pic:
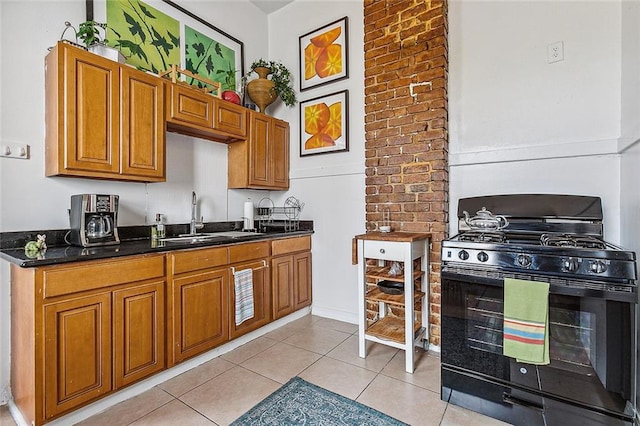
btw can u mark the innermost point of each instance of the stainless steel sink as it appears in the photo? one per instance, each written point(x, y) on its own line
point(234, 234)
point(191, 238)
point(207, 236)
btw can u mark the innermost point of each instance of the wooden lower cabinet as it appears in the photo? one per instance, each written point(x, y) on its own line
point(82, 330)
point(139, 332)
point(200, 312)
point(261, 298)
point(77, 352)
point(291, 275)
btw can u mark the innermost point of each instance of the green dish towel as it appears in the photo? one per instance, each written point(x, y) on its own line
point(526, 321)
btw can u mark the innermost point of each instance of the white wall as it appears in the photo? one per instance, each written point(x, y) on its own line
point(630, 128)
point(521, 125)
point(330, 185)
point(29, 201)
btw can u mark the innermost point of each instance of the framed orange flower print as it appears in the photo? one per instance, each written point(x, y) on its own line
point(324, 55)
point(324, 124)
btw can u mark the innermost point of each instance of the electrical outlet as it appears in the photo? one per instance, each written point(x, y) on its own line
point(555, 52)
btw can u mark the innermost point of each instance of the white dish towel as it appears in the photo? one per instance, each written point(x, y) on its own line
point(243, 283)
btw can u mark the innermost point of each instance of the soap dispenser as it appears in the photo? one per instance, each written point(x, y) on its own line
point(160, 232)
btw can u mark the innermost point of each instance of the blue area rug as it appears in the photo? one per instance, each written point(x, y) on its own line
point(301, 403)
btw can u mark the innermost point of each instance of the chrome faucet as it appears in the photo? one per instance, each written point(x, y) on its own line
point(195, 224)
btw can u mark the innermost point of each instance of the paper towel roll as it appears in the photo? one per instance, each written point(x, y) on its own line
point(248, 215)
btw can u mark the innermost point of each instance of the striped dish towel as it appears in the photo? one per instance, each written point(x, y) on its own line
point(243, 286)
point(526, 321)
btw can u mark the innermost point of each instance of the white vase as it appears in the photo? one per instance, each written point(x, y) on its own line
point(107, 52)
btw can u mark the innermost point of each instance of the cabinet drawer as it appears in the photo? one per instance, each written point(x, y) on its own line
point(231, 118)
point(193, 260)
point(188, 105)
point(249, 251)
point(93, 275)
point(386, 250)
point(290, 245)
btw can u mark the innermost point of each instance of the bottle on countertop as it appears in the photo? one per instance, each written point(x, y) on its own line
point(160, 231)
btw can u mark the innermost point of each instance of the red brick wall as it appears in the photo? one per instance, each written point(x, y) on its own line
point(406, 140)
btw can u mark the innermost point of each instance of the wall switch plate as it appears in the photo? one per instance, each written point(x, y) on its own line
point(555, 52)
point(14, 150)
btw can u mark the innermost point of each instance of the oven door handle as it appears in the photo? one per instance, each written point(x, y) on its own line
point(514, 400)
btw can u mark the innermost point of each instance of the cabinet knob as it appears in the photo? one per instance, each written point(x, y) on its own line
point(382, 251)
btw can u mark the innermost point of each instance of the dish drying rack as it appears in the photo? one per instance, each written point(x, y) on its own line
point(286, 217)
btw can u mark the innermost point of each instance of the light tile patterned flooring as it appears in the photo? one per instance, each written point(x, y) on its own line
point(321, 351)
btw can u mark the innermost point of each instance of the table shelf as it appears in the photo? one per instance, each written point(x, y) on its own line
point(382, 273)
point(376, 295)
point(391, 328)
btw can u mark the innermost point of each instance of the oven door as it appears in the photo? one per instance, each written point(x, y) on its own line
point(591, 343)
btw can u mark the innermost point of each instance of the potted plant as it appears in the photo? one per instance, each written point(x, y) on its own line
point(263, 91)
point(89, 33)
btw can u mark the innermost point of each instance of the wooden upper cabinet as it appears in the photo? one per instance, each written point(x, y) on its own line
point(143, 132)
point(103, 120)
point(262, 162)
point(230, 118)
point(82, 118)
point(190, 107)
point(280, 158)
point(194, 113)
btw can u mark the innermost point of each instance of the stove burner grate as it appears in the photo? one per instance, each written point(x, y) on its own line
point(567, 240)
point(483, 237)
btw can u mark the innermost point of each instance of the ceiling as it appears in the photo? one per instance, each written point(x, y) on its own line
point(269, 6)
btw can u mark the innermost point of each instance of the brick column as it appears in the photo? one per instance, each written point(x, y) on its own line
point(406, 146)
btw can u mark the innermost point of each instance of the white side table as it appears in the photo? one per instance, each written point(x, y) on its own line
point(406, 249)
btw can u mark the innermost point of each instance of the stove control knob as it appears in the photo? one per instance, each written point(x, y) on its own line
point(570, 264)
point(463, 254)
point(598, 266)
point(483, 257)
point(524, 260)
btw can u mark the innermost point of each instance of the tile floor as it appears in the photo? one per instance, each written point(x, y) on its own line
point(321, 351)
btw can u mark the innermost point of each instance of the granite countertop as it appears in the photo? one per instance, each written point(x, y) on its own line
point(133, 241)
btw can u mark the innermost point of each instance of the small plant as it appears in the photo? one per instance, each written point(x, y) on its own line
point(89, 33)
point(281, 76)
point(229, 78)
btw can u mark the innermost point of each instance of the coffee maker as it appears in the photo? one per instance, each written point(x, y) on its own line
point(94, 219)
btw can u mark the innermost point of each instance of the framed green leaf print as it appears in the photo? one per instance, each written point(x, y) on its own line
point(156, 34)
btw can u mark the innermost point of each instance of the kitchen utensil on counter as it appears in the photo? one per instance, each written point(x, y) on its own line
point(93, 220)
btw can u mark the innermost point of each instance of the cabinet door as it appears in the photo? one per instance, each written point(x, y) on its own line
point(77, 352)
point(200, 313)
point(230, 118)
point(259, 157)
point(302, 280)
point(261, 299)
point(91, 86)
point(143, 126)
point(282, 286)
point(138, 332)
point(280, 154)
